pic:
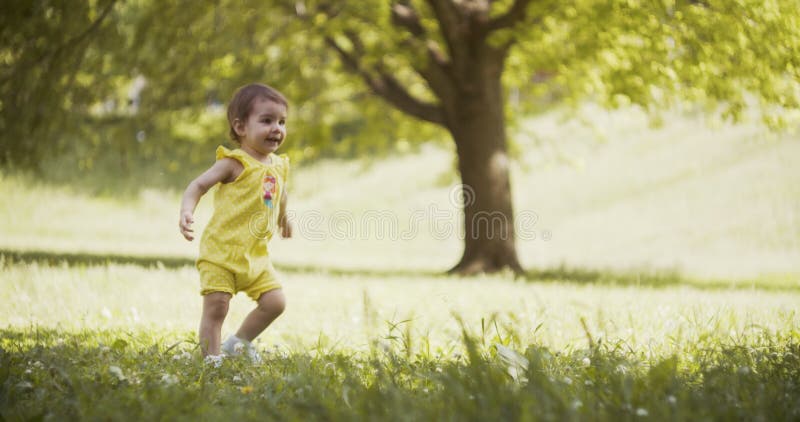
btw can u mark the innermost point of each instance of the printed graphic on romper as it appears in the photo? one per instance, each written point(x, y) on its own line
point(269, 190)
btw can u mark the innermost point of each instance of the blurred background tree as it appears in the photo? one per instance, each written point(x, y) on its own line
point(140, 87)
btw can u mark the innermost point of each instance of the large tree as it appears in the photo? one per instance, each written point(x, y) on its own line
point(453, 62)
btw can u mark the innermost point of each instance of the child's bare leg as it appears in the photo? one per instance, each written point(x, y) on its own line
point(215, 308)
point(270, 305)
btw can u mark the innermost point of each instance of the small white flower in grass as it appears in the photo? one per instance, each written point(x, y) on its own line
point(236, 378)
point(586, 361)
point(642, 412)
point(672, 400)
point(169, 379)
point(214, 360)
point(117, 372)
point(568, 380)
point(106, 312)
point(25, 386)
point(577, 404)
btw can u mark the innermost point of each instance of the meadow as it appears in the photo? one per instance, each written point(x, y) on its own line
point(663, 284)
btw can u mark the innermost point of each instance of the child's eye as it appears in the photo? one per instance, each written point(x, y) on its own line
point(283, 122)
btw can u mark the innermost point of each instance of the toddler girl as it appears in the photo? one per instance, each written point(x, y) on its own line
point(248, 206)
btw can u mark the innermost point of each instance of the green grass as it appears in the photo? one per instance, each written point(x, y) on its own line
point(149, 374)
point(117, 341)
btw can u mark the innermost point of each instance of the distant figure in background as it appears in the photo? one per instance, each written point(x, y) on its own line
point(249, 205)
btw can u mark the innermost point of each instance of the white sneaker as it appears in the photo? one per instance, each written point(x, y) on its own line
point(234, 346)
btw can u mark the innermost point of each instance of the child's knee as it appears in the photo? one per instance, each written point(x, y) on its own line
point(273, 302)
point(215, 305)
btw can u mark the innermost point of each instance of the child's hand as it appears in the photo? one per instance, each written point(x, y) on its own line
point(286, 228)
point(186, 225)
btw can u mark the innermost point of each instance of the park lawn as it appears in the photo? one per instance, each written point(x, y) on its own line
point(118, 341)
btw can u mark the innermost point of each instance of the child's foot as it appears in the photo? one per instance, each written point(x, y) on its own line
point(215, 360)
point(234, 346)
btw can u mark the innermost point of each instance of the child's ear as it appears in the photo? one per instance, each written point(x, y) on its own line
point(238, 127)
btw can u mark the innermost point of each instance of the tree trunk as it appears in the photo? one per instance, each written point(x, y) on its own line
point(477, 124)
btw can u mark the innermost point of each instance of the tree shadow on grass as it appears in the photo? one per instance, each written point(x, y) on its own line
point(637, 277)
point(657, 278)
point(91, 259)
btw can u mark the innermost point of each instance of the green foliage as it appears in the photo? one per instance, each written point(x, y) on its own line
point(70, 74)
point(149, 375)
point(54, 66)
point(716, 54)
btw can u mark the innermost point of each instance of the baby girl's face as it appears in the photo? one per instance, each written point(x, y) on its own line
point(265, 128)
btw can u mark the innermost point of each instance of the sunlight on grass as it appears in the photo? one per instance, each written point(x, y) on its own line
point(348, 312)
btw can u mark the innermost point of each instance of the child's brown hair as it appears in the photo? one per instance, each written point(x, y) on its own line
point(242, 103)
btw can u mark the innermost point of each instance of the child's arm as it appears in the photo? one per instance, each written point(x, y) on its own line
point(283, 219)
point(224, 170)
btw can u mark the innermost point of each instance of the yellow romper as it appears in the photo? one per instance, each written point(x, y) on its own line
point(233, 249)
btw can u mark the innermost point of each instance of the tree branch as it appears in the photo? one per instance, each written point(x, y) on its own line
point(447, 14)
point(515, 14)
point(404, 16)
point(387, 87)
point(69, 43)
point(436, 71)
